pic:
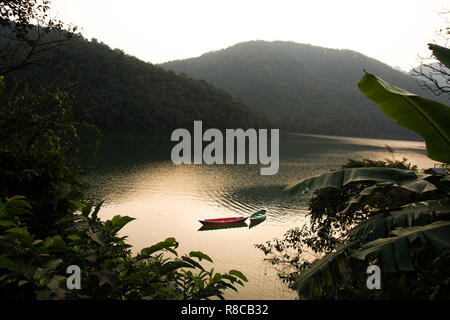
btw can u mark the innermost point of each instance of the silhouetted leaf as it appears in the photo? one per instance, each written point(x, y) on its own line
point(167, 244)
point(441, 53)
point(200, 255)
point(238, 274)
point(407, 179)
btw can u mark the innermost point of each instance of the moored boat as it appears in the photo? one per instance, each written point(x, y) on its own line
point(261, 214)
point(221, 226)
point(222, 221)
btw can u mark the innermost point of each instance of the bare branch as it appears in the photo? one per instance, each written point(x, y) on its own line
point(432, 74)
point(27, 32)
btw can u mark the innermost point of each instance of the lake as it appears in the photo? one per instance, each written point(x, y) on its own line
point(136, 177)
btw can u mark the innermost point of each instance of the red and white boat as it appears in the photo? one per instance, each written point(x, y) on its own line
point(222, 221)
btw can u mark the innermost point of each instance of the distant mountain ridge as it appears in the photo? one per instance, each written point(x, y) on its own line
point(303, 88)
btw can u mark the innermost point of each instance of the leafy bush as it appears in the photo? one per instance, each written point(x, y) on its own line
point(352, 226)
point(41, 148)
point(35, 268)
point(387, 163)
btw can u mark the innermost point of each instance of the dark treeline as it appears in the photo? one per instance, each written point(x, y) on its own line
point(302, 88)
point(122, 94)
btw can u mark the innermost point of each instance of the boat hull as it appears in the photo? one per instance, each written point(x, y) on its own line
point(222, 221)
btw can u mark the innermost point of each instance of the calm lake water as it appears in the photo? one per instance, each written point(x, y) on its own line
point(136, 177)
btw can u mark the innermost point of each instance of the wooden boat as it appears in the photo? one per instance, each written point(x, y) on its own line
point(220, 226)
point(257, 216)
point(260, 215)
point(222, 221)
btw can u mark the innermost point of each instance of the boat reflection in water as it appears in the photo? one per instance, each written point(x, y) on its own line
point(223, 226)
point(254, 223)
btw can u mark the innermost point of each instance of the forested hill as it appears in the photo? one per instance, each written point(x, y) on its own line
point(121, 93)
point(303, 88)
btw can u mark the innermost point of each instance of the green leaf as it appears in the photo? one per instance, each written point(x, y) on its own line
point(73, 237)
point(96, 210)
point(238, 274)
point(428, 118)
point(407, 179)
point(17, 206)
point(52, 264)
point(394, 251)
point(22, 282)
point(166, 244)
point(108, 277)
point(17, 202)
point(67, 218)
point(6, 263)
point(86, 210)
point(81, 225)
point(230, 286)
point(441, 53)
point(79, 205)
point(173, 265)
point(40, 274)
point(7, 223)
point(17, 211)
point(116, 223)
point(192, 262)
point(17, 197)
point(98, 237)
point(322, 272)
point(55, 242)
point(413, 214)
point(22, 234)
point(200, 255)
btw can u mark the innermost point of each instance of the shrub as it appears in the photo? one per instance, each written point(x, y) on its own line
point(36, 268)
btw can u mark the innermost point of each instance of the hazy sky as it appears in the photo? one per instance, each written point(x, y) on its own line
point(392, 31)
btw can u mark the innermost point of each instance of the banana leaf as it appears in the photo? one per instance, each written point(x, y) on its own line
point(441, 53)
point(430, 119)
point(327, 271)
point(413, 214)
point(407, 179)
point(394, 251)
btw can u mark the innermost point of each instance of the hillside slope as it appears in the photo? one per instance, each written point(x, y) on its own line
point(302, 88)
point(121, 93)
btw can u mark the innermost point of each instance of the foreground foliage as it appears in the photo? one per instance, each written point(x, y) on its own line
point(35, 268)
point(42, 151)
point(405, 231)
